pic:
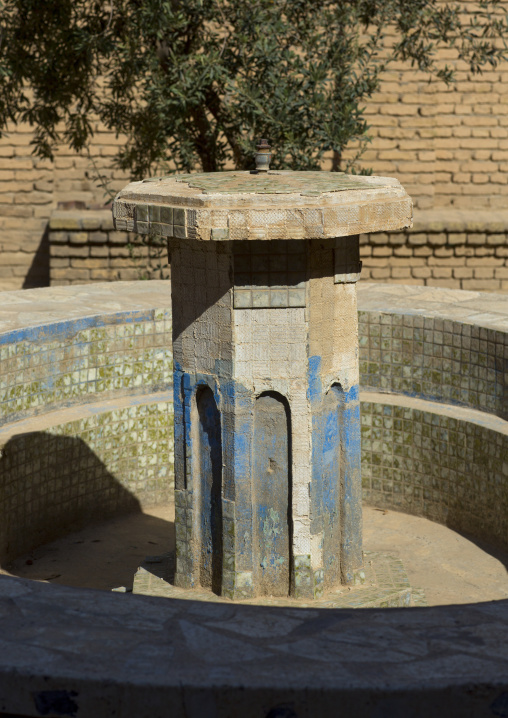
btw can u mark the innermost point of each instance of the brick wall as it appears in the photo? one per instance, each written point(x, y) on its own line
point(31, 189)
point(447, 145)
point(84, 247)
point(446, 248)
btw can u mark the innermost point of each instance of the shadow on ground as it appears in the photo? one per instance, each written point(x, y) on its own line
point(102, 556)
point(66, 518)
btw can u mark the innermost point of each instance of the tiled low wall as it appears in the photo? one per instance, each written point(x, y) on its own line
point(112, 346)
point(74, 347)
point(434, 358)
point(435, 461)
point(426, 450)
point(59, 477)
point(85, 432)
point(435, 344)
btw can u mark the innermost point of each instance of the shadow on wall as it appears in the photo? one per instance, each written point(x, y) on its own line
point(51, 485)
point(38, 274)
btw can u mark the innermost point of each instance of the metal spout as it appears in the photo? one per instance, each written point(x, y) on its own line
point(263, 156)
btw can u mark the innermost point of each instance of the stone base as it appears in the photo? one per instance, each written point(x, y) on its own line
point(382, 583)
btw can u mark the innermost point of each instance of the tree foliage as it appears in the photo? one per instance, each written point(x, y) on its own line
point(194, 83)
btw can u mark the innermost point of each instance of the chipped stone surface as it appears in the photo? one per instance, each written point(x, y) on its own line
point(279, 205)
point(138, 656)
point(478, 308)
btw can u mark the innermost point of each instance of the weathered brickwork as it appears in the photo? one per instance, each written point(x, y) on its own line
point(84, 247)
point(32, 188)
point(461, 249)
point(447, 145)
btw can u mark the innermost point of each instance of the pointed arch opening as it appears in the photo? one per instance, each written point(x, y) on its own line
point(209, 481)
point(272, 495)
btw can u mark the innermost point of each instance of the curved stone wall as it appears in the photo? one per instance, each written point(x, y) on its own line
point(86, 408)
point(434, 442)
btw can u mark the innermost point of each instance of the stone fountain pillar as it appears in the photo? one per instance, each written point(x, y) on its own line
point(264, 268)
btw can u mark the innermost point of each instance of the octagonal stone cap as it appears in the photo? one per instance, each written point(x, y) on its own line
point(275, 205)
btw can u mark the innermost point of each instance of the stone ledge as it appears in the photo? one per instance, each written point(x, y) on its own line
point(139, 656)
point(460, 220)
point(81, 219)
point(31, 307)
point(425, 220)
point(489, 310)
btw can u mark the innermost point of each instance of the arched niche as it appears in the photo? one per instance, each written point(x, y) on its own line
point(272, 495)
point(208, 455)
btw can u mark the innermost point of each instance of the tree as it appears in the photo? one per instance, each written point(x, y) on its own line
point(194, 83)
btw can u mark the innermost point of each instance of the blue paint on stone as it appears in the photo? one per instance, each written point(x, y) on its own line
point(326, 478)
point(69, 328)
point(314, 380)
point(56, 703)
point(336, 475)
point(351, 511)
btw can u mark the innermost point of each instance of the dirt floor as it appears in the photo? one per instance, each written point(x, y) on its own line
point(449, 567)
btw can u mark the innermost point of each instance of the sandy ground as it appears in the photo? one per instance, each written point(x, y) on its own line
point(104, 556)
point(449, 567)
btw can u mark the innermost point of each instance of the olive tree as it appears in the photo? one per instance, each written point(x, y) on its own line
point(192, 84)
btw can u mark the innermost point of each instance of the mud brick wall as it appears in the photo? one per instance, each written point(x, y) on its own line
point(448, 146)
point(458, 249)
point(84, 248)
point(448, 248)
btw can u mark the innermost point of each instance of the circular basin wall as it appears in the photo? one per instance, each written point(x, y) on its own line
point(86, 433)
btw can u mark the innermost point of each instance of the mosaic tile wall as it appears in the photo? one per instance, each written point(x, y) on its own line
point(443, 468)
point(45, 367)
point(435, 359)
point(56, 481)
